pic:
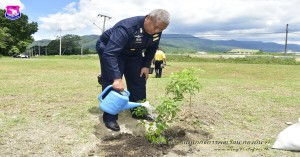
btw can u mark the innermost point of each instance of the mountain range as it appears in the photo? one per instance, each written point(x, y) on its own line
point(178, 43)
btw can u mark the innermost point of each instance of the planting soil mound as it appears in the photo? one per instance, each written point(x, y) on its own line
point(131, 141)
point(125, 144)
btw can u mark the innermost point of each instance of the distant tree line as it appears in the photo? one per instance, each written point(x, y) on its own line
point(70, 45)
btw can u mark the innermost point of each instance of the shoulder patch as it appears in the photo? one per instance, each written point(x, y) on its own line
point(156, 38)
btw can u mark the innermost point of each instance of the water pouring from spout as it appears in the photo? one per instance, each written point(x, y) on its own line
point(147, 106)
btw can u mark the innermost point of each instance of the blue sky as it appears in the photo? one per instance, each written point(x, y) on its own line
point(42, 8)
point(255, 20)
point(38, 8)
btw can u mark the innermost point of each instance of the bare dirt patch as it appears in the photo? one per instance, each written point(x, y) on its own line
point(39, 139)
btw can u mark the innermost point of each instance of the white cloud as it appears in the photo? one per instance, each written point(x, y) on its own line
point(191, 17)
point(4, 3)
point(71, 8)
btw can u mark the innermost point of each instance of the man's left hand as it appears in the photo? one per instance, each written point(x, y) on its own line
point(145, 71)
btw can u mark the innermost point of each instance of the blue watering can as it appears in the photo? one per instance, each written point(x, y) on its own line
point(116, 102)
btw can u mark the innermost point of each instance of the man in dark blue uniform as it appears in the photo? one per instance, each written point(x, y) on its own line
point(127, 49)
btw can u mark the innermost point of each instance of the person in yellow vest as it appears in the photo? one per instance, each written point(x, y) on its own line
point(159, 61)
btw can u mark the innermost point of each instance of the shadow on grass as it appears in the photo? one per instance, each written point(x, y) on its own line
point(95, 110)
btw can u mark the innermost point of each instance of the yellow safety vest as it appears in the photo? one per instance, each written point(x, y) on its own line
point(159, 55)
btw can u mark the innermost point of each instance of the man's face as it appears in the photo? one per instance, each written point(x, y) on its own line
point(153, 27)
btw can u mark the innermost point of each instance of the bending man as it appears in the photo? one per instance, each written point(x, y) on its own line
point(127, 49)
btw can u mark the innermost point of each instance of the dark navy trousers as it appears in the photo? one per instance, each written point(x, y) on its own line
point(158, 68)
point(130, 67)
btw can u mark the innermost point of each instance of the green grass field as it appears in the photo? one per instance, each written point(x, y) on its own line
point(244, 102)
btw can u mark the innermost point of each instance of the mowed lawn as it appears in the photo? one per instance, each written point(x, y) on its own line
point(251, 101)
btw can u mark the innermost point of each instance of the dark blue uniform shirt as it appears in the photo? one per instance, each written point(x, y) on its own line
point(126, 38)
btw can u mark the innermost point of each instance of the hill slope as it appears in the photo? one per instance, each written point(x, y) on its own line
point(186, 43)
point(178, 42)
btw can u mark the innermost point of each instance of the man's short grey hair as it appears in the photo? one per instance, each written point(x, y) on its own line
point(160, 15)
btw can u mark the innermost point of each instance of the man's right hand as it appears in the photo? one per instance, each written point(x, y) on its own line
point(118, 85)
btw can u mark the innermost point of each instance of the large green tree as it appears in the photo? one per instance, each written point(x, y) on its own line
point(15, 34)
point(4, 37)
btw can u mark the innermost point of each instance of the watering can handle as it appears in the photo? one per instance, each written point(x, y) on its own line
point(106, 89)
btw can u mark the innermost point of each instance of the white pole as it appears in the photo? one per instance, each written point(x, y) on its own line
point(81, 48)
point(286, 37)
point(40, 48)
point(60, 42)
point(104, 16)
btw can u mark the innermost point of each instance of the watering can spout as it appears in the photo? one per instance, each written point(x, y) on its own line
point(115, 102)
point(131, 105)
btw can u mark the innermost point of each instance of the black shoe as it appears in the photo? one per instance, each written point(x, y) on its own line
point(99, 79)
point(147, 117)
point(112, 125)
